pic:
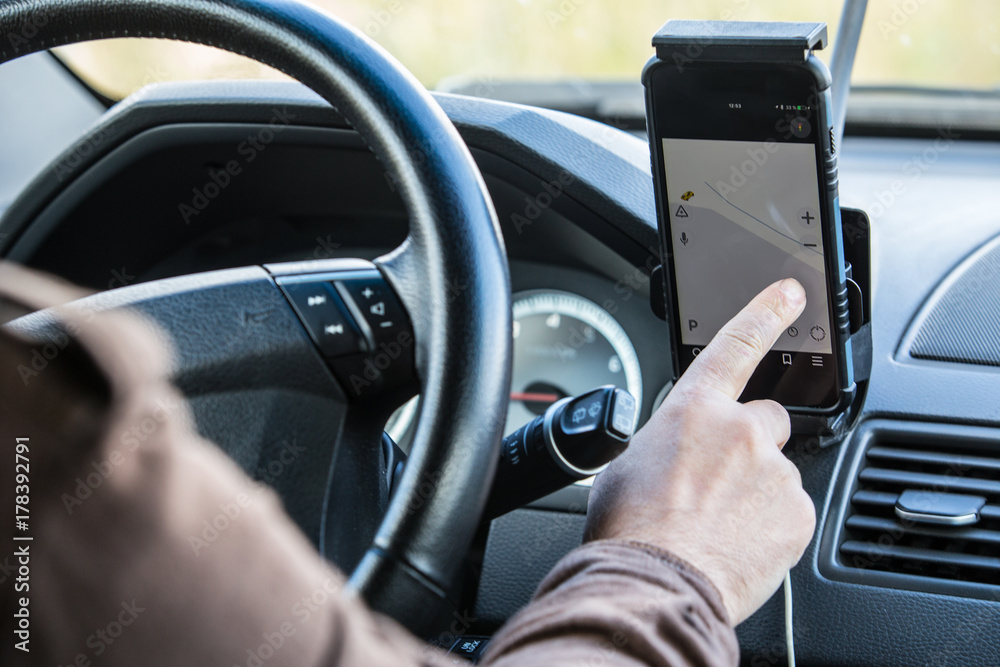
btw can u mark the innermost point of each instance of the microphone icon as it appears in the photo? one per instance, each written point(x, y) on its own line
point(684, 238)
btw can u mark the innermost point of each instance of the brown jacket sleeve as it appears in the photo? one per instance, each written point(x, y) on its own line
point(159, 550)
point(619, 603)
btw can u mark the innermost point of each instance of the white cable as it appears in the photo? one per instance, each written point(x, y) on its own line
point(789, 634)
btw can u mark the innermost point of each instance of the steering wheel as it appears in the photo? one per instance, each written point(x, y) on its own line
point(447, 286)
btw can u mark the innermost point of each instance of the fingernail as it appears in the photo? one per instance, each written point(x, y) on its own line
point(793, 291)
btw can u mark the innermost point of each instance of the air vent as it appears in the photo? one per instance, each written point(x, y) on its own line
point(927, 505)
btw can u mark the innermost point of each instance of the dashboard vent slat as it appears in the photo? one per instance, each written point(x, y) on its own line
point(911, 554)
point(874, 536)
point(955, 462)
point(876, 498)
point(920, 480)
point(876, 525)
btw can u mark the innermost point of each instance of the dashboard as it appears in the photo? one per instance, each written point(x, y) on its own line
point(566, 344)
point(574, 198)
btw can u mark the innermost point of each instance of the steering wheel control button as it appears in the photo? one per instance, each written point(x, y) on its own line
point(359, 325)
point(389, 358)
point(376, 305)
point(325, 317)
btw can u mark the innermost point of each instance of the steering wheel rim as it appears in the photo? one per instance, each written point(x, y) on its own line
point(450, 273)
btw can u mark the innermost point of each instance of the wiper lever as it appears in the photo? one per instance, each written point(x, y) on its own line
point(574, 439)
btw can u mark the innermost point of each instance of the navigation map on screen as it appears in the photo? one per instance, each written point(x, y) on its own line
point(744, 214)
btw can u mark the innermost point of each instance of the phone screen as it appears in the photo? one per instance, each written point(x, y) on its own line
point(740, 177)
point(745, 214)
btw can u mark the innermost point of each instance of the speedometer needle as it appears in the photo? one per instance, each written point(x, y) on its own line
point(533, 397)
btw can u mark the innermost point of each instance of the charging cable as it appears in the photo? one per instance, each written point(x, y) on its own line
point(789, 634)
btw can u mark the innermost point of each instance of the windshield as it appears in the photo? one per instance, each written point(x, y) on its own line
point(914, 43)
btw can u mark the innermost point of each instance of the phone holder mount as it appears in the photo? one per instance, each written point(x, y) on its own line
point(684, 42)
point(830, 429)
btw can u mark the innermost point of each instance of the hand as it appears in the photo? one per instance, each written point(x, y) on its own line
point(705, 479)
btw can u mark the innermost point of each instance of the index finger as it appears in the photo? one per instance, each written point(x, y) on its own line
point(727, 363)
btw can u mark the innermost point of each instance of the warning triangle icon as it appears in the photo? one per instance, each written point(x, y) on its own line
point(681, 213)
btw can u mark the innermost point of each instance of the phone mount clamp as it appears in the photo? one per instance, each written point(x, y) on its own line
point(684, 42)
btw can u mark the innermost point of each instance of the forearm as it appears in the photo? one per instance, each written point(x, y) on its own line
point(619, 603)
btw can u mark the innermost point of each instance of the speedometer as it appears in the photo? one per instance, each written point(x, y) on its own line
point(565, 345)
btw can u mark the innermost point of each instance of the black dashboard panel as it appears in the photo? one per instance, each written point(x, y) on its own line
point(318, 192)
point(961, 321)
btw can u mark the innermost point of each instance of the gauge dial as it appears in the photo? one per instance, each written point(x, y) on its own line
point(565, 345)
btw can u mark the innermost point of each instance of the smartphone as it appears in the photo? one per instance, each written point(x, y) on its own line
point(745, 178)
